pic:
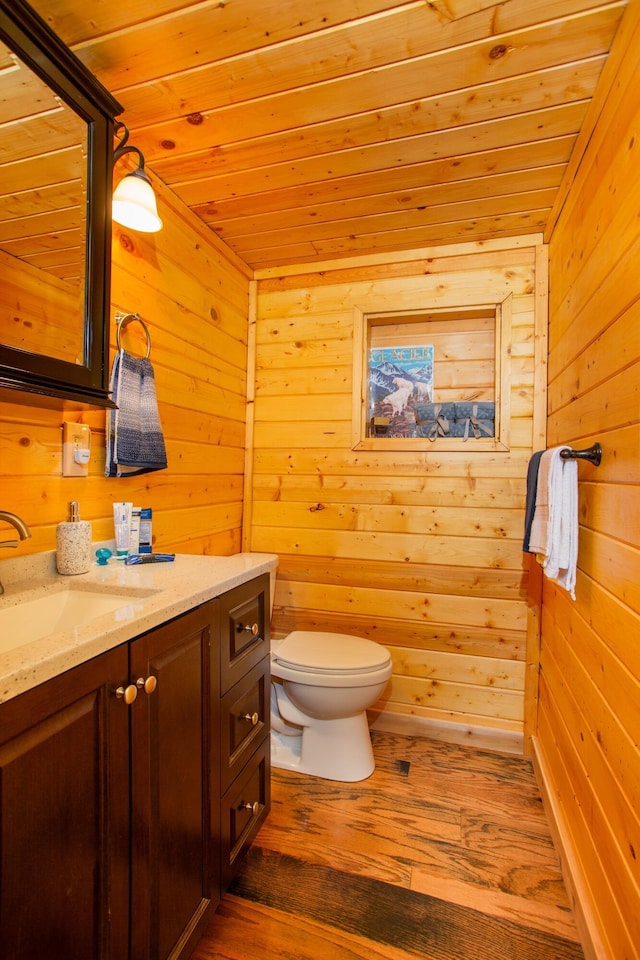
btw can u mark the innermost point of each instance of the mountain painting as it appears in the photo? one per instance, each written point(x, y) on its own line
point(399, 377)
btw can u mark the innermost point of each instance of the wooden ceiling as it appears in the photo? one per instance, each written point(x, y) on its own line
point(303, 131)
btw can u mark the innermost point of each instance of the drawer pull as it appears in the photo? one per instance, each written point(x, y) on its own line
point(253, 718)
point(147, 685)
point(254, 807)
point(128, 694)
point(251, 628)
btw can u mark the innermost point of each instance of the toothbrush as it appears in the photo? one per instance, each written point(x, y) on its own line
point(150, 558)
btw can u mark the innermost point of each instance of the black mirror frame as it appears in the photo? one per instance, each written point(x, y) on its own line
point(31, 39)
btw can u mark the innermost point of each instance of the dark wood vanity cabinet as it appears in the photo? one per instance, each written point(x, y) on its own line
point(64, 817)
point(175, 864)
point(108, 802)
point(131, 785)
point(245, 690)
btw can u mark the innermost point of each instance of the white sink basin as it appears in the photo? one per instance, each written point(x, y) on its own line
point(44, 613)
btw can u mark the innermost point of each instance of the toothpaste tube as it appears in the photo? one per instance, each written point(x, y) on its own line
point(122, 526)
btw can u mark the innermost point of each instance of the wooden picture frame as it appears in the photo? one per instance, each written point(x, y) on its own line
point(472, 362)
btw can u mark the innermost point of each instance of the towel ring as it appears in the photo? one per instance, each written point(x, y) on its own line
point(122, 320)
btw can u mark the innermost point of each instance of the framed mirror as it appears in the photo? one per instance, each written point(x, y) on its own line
point(56, 155)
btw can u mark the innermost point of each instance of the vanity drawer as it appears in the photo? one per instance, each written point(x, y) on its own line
point(244, 808)
point(244, 720)
point(244, 621)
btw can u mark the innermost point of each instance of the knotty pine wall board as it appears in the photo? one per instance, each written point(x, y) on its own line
point(587, 740)
point(464, 703)
point(436, 512)
point(445, 258)
point(38, 302)
point(359, 546)
point(412, 606)
point(193, 295)
point(470, 581)
point(431, 492)
point(402, 518)
point(576, 661)
point(561, 764)
point(431, 636)
point(463, 284)
point(451, 666)
point(379, 463)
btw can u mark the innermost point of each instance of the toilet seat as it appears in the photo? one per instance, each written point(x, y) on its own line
point(307, 650)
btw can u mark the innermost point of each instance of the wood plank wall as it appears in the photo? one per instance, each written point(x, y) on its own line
point(420, 550)
point(193, 294)
point(42, 308)
point(589, 713)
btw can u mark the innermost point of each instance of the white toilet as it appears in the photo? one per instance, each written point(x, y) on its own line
point(322, 685)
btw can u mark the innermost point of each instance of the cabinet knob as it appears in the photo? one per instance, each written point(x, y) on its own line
point(254, 807)
point(128, 694)
point(253, 718)
point(251, 628)
point(147, 685)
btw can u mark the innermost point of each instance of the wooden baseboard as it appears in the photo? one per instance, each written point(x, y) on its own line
point(485, 738)
point(577, 889)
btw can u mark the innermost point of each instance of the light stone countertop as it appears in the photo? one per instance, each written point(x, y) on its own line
point(157, 592)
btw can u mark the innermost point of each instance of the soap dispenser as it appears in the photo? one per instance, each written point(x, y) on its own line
point(73, 543)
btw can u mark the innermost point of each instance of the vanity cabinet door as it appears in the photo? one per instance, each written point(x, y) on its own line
point(244, 629)
point(244, 808)
point(244, 720)
point(174, 778)
point(245, 692)
point(64, 817)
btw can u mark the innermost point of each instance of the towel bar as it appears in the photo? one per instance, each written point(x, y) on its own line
point(122, 320)
point(593, 454)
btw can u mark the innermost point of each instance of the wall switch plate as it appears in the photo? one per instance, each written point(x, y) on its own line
point(76, 449)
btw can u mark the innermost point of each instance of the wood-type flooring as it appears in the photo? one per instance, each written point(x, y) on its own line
point(444, 853)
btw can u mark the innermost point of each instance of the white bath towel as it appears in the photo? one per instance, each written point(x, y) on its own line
point(554, 530)
point(539, 535)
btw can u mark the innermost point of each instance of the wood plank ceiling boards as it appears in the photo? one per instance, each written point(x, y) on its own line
point(300, 132)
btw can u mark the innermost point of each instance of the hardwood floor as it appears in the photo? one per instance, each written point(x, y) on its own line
point(444, 853)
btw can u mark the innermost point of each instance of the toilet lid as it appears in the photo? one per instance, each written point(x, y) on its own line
point(330, 652)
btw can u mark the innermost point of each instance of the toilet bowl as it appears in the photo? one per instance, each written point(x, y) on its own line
point(322, 685)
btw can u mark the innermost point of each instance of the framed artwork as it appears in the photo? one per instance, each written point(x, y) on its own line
point(432, 378)
point(398, 378)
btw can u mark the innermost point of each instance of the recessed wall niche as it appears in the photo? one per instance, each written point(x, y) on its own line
point(433, 379)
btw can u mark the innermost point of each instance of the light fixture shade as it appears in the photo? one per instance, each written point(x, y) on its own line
point(134, 203)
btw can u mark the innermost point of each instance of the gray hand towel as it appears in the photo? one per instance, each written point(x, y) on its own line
point(135, 443)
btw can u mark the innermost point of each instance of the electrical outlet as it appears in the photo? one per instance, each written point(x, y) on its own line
point(76, 449)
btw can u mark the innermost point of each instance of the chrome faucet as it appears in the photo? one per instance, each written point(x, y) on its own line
point(23, 532)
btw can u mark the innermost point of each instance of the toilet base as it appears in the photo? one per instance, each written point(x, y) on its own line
point(332, 749)
point(285, 751)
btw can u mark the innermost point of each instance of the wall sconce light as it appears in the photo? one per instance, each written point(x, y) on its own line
point(134, 202)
